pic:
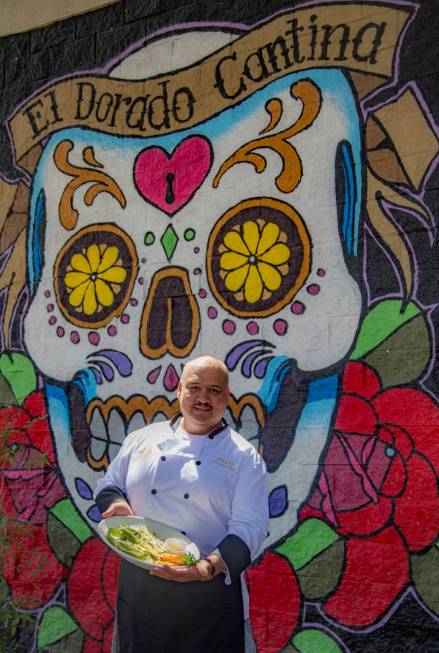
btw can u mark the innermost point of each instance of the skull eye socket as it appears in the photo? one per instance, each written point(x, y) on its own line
point(94, 275)
point(258, 257)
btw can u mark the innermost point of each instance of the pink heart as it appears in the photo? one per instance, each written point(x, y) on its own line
point(170, 180)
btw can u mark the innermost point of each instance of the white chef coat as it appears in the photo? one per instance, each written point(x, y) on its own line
point(205, 486)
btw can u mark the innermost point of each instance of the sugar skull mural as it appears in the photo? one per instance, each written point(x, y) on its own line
point(233, 206)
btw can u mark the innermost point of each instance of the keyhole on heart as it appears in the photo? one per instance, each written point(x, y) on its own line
point(169, 197)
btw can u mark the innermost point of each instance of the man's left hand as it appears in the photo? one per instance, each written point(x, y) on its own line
point(199, 572)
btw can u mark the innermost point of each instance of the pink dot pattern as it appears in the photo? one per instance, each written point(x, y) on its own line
point(313, 289)
point(297, 308)
point(280, 327)
point(94, 338)
point(229, 327)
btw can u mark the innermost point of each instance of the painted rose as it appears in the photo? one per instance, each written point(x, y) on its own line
point(378, 488)
point(29, 476)
point(91, 594)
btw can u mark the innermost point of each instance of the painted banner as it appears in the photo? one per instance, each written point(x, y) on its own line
point(296, 41)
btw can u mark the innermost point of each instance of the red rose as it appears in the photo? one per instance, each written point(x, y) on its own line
point(29, 477)
point(91, 591)
point(29, 566)
point(379, 483)
point(274, 602)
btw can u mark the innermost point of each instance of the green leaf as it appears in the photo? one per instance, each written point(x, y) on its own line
point(312, 640)
point(7, 397)
point(403, 356)
point(67, 514)
point(320, 576)
point(4, 590)
point(55, 624)
point(380, 322)
point(425, 574)
point(311, 538)
point(64, 544)
point(72, 643)
point(19, 372)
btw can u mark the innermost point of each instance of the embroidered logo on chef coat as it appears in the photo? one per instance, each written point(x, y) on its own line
point(224, 462)
point(145, 451)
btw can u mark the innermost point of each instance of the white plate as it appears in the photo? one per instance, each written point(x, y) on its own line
point(163, 531)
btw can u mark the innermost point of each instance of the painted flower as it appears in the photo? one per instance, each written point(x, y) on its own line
point(91, 593)
point(91, 277)
point(29, 485)
point(379, 489)
point(29, 476)
point(29, 566)
point(254, 260)
point(274, 602)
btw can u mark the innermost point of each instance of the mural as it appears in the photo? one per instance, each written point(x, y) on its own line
point(257, 194)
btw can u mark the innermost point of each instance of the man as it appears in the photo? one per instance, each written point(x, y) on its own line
point(203, 478)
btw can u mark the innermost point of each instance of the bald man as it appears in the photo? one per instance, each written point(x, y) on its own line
point(198, 475)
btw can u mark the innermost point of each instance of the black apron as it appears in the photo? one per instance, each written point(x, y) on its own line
point(161, 616)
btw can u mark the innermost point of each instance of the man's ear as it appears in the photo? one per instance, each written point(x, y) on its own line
point(179, 390)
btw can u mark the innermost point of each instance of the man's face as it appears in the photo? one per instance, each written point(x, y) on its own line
point(202, 394)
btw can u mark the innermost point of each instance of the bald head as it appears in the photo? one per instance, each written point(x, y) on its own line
point(203, 393)
point(206, 362)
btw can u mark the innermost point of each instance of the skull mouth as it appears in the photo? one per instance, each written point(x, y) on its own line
point(99, 429)
point(109, 422)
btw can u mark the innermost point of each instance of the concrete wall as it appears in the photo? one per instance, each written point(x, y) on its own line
point(269, 196)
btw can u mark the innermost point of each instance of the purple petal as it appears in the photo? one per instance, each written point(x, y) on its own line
point(97, 374)
point(83, 488)
point(249, 360)
point(278, 501)
point(236, 352)
point(106, 370)
point(94, 514)
point(121, 361)
point(261, 366)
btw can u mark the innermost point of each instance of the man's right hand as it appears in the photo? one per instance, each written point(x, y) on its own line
point(119, 508)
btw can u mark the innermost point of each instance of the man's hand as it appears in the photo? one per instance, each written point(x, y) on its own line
point(119, 508)
point(199, 572)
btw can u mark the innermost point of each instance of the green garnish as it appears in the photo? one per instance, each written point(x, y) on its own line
point(140, 543)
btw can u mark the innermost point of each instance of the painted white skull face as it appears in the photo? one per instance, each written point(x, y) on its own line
point(160, 249)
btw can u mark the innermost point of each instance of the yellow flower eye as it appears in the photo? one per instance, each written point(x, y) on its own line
point(258, 257)
point(94, 275)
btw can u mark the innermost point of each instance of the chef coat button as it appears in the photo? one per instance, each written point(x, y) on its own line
point(153, 491)
point(186, 496)
point(162, 457)
point(183, 532)
point(198, 462)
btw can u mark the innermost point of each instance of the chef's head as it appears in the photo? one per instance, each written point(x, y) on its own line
point(203, 393)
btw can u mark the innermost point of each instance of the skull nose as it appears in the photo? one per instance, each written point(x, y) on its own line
point(171, 317)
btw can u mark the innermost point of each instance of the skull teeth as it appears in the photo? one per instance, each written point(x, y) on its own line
point(108, 435)
point(111, 421)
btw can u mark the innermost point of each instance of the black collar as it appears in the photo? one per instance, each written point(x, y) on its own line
point(175, 421)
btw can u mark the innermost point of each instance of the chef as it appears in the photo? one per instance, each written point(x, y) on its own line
point(198, 475)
